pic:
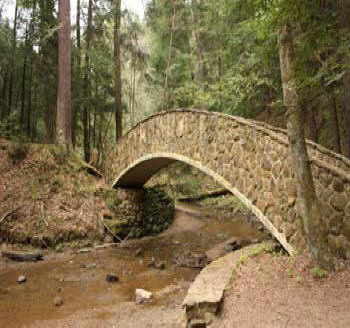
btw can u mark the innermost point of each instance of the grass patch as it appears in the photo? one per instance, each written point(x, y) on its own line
point(319, 273)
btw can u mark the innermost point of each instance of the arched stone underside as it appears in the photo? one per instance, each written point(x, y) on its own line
point(249, 158)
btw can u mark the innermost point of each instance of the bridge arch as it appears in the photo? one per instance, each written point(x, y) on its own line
point(140, 171)
point(248, 158)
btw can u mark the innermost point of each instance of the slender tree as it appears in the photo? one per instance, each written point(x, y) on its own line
point(185, 21)
point(31, 59)
point(12, 69)
point(117, 72)
point(64, 98)
point(24, 75)
point(344, 12)
point(3, 96)
point(86, 111)
point(200, 64)
point(307, 200)
point(335, 124)
point(48, 67)
point(78, 78)
point(165, 92)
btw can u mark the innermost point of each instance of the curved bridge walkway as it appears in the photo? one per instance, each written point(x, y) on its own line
point(249, 158)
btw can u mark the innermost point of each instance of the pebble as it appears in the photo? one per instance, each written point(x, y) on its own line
point(142, 296)
point(21, 279)
point(58, 301)
point(112, 277)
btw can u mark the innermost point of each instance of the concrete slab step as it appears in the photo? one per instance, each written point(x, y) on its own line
point(205, 295)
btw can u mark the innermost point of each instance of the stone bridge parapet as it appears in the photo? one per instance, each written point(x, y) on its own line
point(249, 158)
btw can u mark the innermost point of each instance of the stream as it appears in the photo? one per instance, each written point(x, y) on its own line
point(91, 301)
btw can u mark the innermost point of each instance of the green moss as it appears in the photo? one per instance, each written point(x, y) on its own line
point(318, 273)
point(151, 213)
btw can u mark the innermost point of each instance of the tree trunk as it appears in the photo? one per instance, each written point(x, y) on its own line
point(308, 205)
point(64, 97)
point(78, 84)
point(86, 114)
point(335, 125)
point(200, 64)
point(12, 69)
point(95, 115)
point(344, 12)
point(189, 42)
point(134, 92)
point(117, 72)
point(48, 67)
point(31, 36)
point(313, 135)
point(24, 73)
point(3, 97)
point(165, 93)
point(34, 122)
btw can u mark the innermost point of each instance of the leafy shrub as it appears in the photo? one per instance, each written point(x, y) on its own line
point(18, 152)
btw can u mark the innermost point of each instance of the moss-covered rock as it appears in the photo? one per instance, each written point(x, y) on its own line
point(138, 212)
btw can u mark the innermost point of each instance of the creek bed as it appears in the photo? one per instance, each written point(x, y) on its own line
point(79, 279)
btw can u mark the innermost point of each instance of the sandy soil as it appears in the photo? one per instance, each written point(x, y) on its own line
point(125, 315)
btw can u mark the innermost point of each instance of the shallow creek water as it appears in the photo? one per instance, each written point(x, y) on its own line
point(80, 278)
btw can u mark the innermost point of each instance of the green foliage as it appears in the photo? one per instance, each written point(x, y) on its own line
point(317, 272)
point(18, 152)
point(241, 261)
point(239, 55)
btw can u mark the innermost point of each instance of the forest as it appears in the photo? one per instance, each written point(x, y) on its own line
point(215, 55)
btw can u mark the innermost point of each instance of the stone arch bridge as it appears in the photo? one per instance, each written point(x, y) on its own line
point(249, 158)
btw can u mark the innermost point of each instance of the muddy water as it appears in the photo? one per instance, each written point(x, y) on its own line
point(80, 278)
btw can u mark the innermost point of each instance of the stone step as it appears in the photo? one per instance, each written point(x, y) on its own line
point(205, 295)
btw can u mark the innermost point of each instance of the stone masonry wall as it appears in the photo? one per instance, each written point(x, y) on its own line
point(250, 159)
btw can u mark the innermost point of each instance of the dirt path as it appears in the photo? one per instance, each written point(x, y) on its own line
point(274, 292)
